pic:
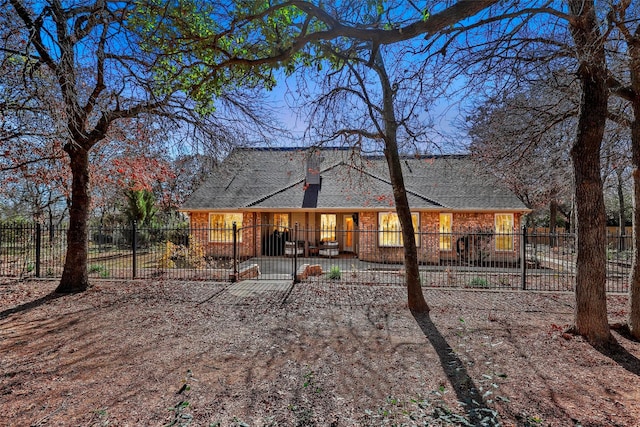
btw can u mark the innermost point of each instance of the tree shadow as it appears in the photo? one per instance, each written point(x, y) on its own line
point(466, 391)
point(29, 305)
point(619, 354)
point(624, 331)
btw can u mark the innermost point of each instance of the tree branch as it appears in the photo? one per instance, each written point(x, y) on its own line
point(22, 164)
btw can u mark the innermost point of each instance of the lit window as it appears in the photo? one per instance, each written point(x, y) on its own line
point(504, 232)
point(390, 232)
point(328, 227)
point(221, 225)
point(281, 221)
point(446, 219)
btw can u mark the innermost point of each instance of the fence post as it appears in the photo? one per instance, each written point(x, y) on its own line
point(235, 253)
point(295, 253)
point(134, 249)
point(38, 247)
point(523, 257)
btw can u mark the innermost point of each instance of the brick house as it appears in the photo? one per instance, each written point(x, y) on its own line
point(342, 201)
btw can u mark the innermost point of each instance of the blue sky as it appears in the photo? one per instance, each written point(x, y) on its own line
point(444, 113)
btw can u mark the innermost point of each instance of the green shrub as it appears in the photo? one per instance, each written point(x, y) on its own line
point(179, 236)
point(99, 269)
point(96, 268)
point(334, 273)
point(479, 282)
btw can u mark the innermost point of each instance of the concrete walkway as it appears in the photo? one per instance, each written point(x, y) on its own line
point(253, 288)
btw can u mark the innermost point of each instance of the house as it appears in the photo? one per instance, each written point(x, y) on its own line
point(330, 201)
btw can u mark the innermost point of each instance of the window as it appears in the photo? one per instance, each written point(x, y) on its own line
point(390, 232)
point(281, 221)
point(446, 219)
point(328, 227)
point(221, 225)
point(504, 232)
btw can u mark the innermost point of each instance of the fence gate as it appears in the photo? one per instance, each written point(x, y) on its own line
point(265, 252)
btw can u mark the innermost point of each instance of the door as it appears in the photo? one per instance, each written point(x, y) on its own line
point(348, 244)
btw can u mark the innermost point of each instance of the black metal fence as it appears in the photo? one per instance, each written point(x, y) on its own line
point(464, 258)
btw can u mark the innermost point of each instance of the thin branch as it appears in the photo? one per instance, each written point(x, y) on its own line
point(22, 164)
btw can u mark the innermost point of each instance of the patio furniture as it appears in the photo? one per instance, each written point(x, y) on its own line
point(329, 249)
point(294, 248)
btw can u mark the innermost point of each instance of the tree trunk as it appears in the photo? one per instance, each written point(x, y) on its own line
point(591, 303)
point(634, 287)
point(415, 296)
point(75, 277)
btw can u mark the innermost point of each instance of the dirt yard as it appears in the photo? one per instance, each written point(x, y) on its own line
point(201, 354)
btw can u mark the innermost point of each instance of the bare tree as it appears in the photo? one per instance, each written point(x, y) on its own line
point(591, 303)
point(99, 74)
point(569, 36)
point(290, 33)
point(524, 137)
point(616, 161)
point(363, 101)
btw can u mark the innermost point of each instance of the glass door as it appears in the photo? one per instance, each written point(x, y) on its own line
point(347, 244)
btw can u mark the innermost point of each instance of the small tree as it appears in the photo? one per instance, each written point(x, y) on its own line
point(141, 206)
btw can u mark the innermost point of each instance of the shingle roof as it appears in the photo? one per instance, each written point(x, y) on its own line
point(275, 178)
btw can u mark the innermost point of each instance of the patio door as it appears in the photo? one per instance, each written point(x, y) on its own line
point(348, 243)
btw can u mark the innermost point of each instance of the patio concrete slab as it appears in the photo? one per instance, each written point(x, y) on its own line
point(254, 288)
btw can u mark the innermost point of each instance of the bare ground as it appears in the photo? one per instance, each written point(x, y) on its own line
point(211, 354)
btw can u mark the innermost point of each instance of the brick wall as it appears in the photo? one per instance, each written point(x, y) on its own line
point(368, 248)
point(429, 245)
point(429, 250)
point(473, 222)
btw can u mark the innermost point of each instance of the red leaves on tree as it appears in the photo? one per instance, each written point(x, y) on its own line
point(140, 173)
